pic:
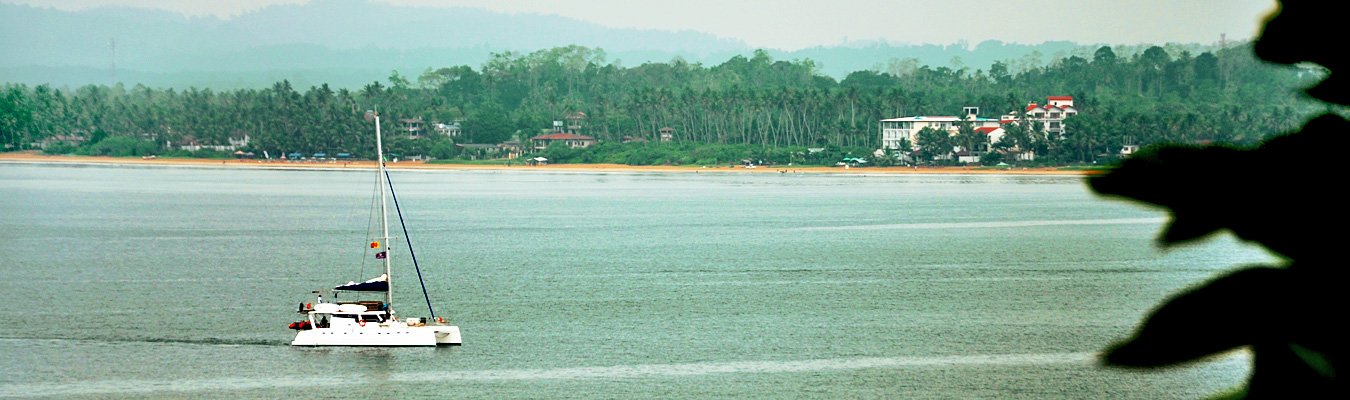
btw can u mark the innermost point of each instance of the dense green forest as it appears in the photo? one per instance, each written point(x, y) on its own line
point(749, 107)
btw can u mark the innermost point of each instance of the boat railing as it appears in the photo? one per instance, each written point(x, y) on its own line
point(373, 305)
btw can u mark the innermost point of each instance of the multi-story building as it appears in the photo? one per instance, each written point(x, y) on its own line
point(565, 134)
point(896, 130)
point(411, 127)
point(1051, 115)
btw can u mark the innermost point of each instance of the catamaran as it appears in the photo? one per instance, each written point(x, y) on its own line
point(372, 322)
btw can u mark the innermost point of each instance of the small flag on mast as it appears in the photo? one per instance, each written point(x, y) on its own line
point(374, 245)
point(380, 255)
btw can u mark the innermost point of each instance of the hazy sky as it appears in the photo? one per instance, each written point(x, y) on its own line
point(795, 24)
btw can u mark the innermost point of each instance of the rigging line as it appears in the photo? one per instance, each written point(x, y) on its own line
point(411, 254)
point(370, 220)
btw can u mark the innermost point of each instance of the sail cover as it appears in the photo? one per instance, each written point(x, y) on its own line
point(376, 284)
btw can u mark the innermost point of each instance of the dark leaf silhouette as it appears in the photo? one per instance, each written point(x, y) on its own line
point(1291, 35)
point(1281, 195)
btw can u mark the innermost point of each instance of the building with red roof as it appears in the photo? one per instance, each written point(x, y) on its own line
point(995, 133)
point(1051, 115)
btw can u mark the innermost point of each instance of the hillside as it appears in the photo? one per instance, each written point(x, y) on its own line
point(349, 43)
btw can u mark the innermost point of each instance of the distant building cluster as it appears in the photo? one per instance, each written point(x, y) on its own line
point(896, 132)
point(190, 143)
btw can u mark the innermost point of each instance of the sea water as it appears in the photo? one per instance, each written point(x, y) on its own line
point(172, 282)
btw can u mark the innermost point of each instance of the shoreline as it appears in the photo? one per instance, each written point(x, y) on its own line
point(33, 158)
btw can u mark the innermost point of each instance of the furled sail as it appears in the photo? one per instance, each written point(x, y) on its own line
point(376, 284)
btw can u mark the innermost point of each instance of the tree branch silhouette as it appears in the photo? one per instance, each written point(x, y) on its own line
point(1280, 195)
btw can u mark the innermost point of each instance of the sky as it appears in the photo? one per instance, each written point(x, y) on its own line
point(795, 24)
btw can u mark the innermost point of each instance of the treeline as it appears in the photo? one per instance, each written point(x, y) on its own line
point(754, 103)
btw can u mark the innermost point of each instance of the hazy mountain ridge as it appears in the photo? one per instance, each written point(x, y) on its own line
point(351, 42)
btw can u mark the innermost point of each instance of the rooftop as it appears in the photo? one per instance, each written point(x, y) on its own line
point(562, 136)
point(942, 118)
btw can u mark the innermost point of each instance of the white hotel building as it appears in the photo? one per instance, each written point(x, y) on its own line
point(1051, 116)
point(894, 130)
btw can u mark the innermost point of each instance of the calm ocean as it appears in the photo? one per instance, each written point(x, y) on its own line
point(174, 282)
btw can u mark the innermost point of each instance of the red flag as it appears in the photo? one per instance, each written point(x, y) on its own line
point(379, 256)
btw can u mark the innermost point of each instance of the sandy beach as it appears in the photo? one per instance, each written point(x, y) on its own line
point(37, 158)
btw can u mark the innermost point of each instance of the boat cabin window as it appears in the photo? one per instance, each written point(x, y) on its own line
point(367, 317)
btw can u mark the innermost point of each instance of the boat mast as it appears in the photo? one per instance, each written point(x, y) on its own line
point(384, 218)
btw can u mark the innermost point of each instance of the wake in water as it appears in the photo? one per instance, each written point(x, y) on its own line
point(988, 224)
point(203, 341)
point(655, 371)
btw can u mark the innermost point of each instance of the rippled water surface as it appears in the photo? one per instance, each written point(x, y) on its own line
point(179, 282)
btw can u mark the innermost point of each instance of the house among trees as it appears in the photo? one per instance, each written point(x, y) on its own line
point(475, 151)
point(511, 148)
point(967, 157)
point(450, 130)
point(572, 140)
point(413, 127)
point(667, 134)
point(190, 143)
point(508, 150)
point(67, 140)
point(567, 134)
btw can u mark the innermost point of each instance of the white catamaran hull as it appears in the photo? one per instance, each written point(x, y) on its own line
point(394, 334)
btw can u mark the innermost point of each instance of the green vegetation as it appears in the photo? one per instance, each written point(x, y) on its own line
point(747, 108)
